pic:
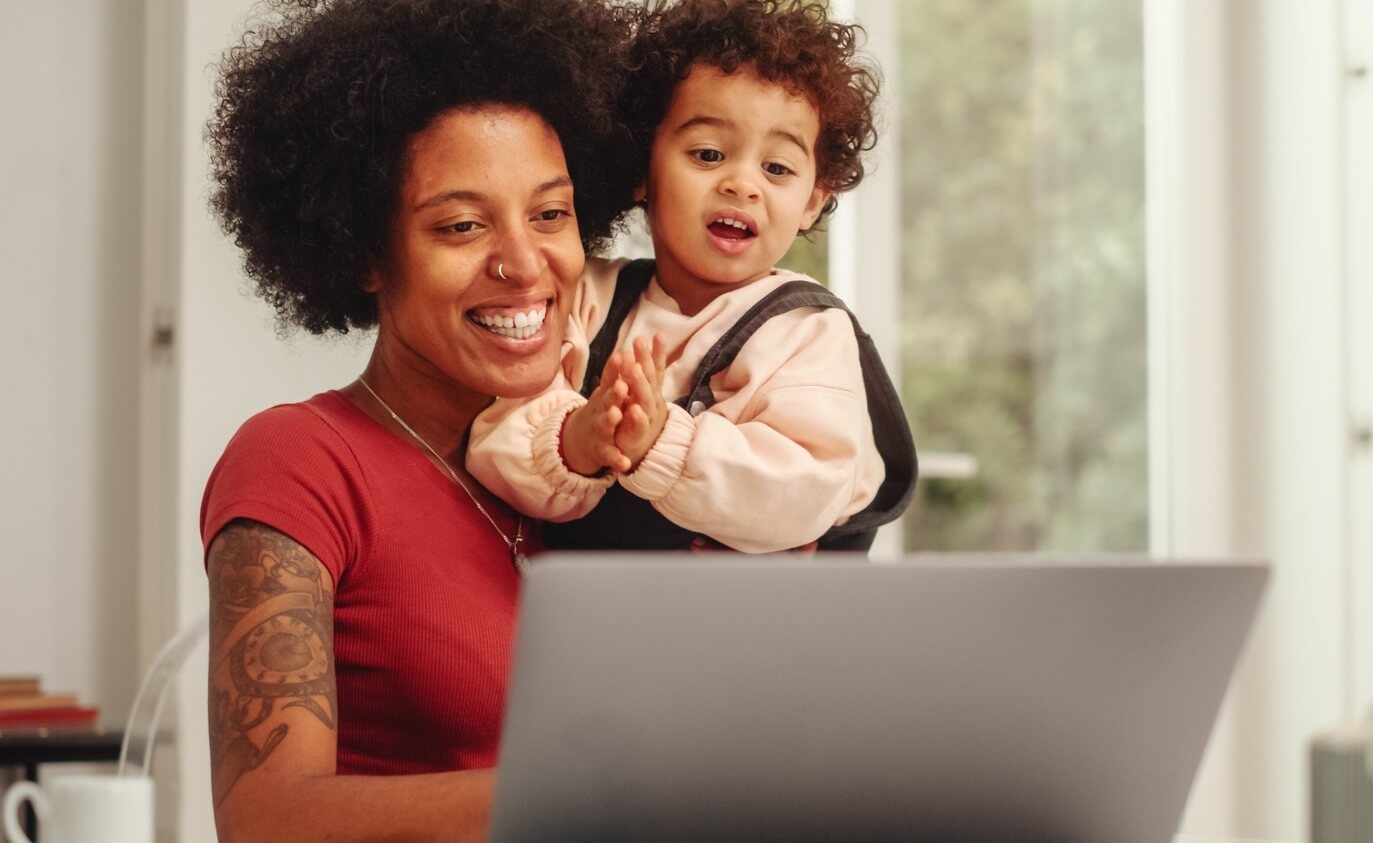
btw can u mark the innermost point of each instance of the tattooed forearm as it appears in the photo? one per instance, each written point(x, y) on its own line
point(271, 634)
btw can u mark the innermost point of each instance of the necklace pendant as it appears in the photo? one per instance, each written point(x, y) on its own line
point(520, 561)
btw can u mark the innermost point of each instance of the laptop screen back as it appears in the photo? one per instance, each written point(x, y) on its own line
point(941, 699)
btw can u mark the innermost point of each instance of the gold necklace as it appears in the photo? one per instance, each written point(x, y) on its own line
point(518, 559)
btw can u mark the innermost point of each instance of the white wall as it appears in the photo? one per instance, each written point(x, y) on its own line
point(1357, 26)
point(1284, 461)
point(229, 362)
point(1289, 393)
point(70, 136)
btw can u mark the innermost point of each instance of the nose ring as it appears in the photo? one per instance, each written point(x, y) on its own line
point(500, 270)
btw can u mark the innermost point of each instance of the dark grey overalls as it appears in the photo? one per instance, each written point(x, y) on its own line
point(624, 521)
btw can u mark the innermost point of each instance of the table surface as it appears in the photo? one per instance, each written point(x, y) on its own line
point(29, 747)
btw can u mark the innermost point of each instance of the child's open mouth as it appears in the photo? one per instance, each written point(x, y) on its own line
point(732, 232)
point(731, 229)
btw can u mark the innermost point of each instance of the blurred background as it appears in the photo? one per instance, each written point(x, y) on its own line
point(1114, 252)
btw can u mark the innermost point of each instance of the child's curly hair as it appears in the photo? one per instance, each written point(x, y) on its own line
point(317, 105)
point(790, 42)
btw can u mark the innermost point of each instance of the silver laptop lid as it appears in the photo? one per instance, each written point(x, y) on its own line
point(947, 698)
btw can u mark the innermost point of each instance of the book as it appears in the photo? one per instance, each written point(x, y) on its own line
point(22, 702)
point(68, 716)
point(20, 685)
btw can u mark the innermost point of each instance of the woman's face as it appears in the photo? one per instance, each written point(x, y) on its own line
point(487, 194)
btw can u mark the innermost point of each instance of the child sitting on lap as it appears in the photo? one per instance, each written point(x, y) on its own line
point(752, 116)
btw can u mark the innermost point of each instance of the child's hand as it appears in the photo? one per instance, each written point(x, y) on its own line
point(588, 434)
point(645, 412)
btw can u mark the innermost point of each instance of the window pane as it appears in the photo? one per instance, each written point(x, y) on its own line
point(1022, 167)
point(809, 255)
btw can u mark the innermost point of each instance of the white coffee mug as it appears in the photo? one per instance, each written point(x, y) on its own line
point(85, 809)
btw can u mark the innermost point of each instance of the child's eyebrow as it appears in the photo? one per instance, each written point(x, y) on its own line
point(724, 123)
point(478, 196)
point(794, 138)
point(704, 120)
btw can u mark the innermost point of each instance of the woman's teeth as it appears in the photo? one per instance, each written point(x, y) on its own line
point(520, 326)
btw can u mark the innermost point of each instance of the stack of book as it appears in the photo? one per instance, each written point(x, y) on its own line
point(24, 705)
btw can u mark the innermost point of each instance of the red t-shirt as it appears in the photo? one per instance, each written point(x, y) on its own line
point(425, 593)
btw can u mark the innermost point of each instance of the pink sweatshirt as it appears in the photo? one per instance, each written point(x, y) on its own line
point(785, 453)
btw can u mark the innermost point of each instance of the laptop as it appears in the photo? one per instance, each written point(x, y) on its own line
point(685, 697)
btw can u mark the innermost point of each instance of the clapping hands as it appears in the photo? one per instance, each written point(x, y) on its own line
point(624, 414)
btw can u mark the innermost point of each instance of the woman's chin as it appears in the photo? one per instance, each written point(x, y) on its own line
point(523, 380)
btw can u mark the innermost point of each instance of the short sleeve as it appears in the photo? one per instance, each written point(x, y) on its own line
point(289, 469)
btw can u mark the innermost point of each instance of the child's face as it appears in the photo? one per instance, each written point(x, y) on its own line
point(731, 180)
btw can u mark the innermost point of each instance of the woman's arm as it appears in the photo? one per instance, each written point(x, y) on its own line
point(274, 720)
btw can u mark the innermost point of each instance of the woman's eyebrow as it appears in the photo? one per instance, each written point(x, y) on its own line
point(478, 196)
point(451, 196)
point(553, 184)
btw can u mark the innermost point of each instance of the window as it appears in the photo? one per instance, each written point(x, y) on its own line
point(1023, 348)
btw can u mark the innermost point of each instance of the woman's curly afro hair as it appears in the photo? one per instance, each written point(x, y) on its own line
point(790, 42)
point(317, 105)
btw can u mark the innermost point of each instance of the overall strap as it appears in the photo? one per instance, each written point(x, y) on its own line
point(629, 285)
point(789, 296)
point(891, 431)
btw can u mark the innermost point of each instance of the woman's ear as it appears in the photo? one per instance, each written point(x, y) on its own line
point(641, 193)
point(372, 282)
point(818, 197)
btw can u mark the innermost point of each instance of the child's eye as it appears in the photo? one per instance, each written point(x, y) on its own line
point(775, 169)
point(708, 156)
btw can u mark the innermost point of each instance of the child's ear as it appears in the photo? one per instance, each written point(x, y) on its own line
point(818, 197)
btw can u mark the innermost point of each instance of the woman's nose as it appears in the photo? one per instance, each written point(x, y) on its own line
point(518, 261)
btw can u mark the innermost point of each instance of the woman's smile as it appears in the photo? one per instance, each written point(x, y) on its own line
point(520, 325)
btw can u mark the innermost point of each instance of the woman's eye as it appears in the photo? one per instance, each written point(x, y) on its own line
point(774, 169)
point(708, 156)
point(553, 214)
point(462, 227)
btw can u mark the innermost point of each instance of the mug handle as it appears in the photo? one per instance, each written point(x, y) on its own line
point(14, 797)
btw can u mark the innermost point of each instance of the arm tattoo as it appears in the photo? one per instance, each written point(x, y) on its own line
point(271, 639)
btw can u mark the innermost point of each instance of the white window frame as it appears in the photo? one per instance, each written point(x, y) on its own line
point(1189, 308)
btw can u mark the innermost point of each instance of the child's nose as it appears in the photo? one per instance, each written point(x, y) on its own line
point(739, 183)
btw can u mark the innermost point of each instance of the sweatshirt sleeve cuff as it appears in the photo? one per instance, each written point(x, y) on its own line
point(549, 463)
point(662, 467)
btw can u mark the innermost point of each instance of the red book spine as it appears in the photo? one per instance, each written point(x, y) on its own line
point(68, 716)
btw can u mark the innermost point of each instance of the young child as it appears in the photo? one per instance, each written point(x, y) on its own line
point(752, 115)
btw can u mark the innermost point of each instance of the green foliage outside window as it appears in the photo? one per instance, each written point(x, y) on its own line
point(1022, 161)
point(808, 256)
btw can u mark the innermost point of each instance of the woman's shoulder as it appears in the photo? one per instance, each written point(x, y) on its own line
point(295, 468)
point(323, 417)
point(313, 445)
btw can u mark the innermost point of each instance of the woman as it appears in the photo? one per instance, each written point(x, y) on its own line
point(408, 165)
